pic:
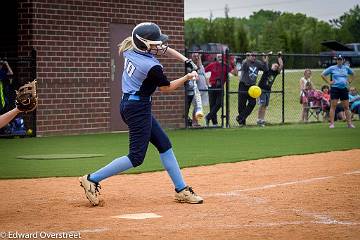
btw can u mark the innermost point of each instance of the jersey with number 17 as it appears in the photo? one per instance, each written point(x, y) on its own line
point(136, 68)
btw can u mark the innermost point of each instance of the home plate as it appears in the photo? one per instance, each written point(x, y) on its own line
point(138, 216)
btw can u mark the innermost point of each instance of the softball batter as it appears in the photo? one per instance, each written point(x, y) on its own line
point(142, 74)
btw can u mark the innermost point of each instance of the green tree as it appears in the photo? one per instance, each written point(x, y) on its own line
point(348, 25)
point(272, 30)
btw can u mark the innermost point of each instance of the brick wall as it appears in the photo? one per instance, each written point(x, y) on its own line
point(73, 59)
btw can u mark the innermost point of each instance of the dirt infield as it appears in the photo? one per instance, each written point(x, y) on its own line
point(295, 197)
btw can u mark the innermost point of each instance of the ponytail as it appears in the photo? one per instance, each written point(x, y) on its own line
point(125, 45)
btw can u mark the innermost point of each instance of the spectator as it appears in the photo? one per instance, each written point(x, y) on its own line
point(265, 83)
point(238, 63)
point(354, 100)
point(312, 101)
point(249, 72)
point(303, 81)
point(339, 112)
point(216, 82)
point(201, 84)
point(325, 101)
point(5, 81)
point(189, 88)
point(340, 76)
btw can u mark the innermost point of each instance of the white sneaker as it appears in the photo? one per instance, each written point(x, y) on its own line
point(187, 195)
point(91, 189)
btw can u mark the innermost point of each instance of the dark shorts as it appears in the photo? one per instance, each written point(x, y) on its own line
point(339, 93)
point(264, 99)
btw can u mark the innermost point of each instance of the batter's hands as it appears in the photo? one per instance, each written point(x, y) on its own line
point(192, 76)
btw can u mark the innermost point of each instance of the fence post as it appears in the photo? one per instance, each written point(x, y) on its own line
point(283, 93)
point(33, 76)
point(185, 94)
point(227, 88)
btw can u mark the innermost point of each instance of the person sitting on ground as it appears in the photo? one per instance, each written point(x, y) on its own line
point(339, 112)
point(354, 100)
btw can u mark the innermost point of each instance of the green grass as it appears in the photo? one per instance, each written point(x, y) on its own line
point(192, 148)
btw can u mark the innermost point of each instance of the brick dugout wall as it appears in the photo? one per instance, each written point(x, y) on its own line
point(73, 59)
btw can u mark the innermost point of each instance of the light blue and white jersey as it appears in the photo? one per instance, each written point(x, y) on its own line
point(136, 68)
point(339, 75)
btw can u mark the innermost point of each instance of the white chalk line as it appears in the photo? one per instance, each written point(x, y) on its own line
point(326, 220)
point(318, 218)
point(95, 230)
point(310, 180)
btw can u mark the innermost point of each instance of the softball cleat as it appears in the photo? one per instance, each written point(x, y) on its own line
point(91, 189)
point(187, 195)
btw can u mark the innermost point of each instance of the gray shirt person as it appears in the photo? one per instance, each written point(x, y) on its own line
point(250, 70)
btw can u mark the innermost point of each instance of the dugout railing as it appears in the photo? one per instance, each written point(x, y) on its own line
point(285, 106)
point(24, 71)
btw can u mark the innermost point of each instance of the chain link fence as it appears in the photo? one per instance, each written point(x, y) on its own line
point(284, 106)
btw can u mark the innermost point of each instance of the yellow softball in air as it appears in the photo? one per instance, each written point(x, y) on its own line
point(254, 91)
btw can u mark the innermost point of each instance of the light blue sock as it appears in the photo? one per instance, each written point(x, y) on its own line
point(116, 166)
point(171, 165)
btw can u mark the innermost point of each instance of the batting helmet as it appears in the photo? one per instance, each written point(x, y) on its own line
point(147, 37)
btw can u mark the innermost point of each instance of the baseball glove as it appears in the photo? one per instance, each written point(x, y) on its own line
point(26, 97)
point(190, 65)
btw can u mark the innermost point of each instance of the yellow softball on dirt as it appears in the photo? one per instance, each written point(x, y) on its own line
point(254, 91)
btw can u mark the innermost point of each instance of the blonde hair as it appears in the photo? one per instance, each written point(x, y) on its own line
point(125, 45)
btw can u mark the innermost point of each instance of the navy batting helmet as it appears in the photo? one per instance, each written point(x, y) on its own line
point(147, 37)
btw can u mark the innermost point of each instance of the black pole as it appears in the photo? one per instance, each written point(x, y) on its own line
point(33, 76)
point(185, 93)
point(227, 88)
point(222, 88)
point(283, 93)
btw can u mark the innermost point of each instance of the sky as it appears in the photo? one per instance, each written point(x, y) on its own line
point(320, 9)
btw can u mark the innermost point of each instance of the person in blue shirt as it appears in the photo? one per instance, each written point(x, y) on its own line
point(339, 77)
point(354, 100)
point(142, 75)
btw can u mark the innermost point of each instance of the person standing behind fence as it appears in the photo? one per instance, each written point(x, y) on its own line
point(202, 85)
point(340, 77)
point(265, 83)
point(189, 87)
point(216, 81)
point(303, 81)
point(249, 72)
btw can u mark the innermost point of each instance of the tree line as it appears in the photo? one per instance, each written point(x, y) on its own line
point(273, 31)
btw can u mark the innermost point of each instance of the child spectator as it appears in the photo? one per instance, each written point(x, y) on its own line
point(325, 101)
point(303, 81)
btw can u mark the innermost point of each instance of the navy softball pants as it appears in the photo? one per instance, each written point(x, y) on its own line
point(143, 128)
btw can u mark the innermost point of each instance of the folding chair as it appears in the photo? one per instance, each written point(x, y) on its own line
point(314, 110)
point(314, 106)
